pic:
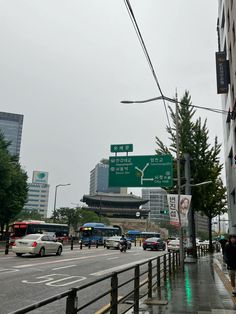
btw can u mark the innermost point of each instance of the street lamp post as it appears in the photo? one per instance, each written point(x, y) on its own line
point(55, 199)
point(175, 101)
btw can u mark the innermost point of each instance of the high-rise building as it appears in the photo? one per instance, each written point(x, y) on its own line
point(11, 127)
point(99, 177)
point(38, 192)
point(157, 202)
point(226, 86)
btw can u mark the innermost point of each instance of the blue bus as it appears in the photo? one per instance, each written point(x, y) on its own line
point(133, 235)
point(94, 232)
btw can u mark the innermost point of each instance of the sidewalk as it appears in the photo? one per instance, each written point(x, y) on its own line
point(204, 288)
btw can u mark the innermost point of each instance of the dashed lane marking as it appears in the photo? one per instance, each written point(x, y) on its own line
point(64, 267)
point(110, 270)
point(63, 260)
point(110, 258)
point(7, 270)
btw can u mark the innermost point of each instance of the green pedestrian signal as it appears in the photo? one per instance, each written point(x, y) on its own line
point(164, 212)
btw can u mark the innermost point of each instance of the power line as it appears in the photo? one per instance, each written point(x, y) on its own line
point(141, 40)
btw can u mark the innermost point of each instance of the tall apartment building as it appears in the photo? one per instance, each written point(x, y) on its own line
point(38, 192)
point(11, 125)
point(99, 179)
point(226, 86)
point(157, 201)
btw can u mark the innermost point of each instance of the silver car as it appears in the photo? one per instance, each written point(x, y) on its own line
point(37, 244)
point(114, 242)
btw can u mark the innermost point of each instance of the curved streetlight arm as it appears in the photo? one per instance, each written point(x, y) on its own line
point(55, 199)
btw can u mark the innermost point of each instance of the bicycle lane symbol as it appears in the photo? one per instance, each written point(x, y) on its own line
point(56, 280)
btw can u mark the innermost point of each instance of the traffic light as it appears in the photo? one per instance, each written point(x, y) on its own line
point(164, 211)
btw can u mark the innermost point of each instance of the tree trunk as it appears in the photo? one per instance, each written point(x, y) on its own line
point(211, 247)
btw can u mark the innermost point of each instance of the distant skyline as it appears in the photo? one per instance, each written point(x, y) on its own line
point(66, 67)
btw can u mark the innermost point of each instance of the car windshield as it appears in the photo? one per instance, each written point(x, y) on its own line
point(32, 237)
point(153, 240)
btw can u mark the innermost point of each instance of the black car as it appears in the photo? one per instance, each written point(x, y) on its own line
point(154, 244)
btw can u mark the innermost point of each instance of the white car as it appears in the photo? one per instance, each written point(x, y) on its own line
point(37, 244)
point(173, 245)
point(114, 242)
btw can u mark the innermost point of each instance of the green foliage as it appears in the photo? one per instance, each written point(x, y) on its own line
point(13, 186)
point(205, 165)
point(29, 215)
point(76, 217)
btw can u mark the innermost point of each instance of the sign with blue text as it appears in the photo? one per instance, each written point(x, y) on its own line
point(141, 171)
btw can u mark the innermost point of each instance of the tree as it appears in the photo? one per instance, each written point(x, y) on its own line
point(76, 217)
point(29, 215)
point(13, 186)
point(205, 164)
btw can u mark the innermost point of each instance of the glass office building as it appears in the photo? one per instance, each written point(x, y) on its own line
point(11, 125)
point(157, 201)
point(99, 179)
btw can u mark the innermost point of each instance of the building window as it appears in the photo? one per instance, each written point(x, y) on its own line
point(233, 196)
point(233, 31)
point(231, 157)
point(223, 19)
point(228, 19)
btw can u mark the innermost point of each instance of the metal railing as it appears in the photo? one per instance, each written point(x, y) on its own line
point(138, 281)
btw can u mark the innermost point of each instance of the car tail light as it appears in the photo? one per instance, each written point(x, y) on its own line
point(14, 244)
point(145, 243)
point(34, 244)
point(155, 243)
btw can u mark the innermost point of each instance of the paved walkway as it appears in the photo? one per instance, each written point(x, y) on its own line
point(203, 288)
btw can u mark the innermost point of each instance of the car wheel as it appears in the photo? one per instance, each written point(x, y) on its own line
point(59, 251)
point(19, 254)
point(108, 247)
point(42, 252)
point(144, 249)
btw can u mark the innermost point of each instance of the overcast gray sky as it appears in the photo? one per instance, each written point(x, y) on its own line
point(66, 65)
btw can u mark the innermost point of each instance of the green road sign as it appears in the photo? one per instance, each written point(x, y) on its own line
point(141, 171)
point(120, 148)
point(164, 212)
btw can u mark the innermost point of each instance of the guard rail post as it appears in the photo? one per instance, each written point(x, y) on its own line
point(136, 289)
point(169, 262)
point(7, 247)
point(114, 294)
point(135, 242)
point(80, 245)
point(71, 302)
point(71, 244)
point(150, 279)
point(96, 244)
point(173, 261)
point(164, 266)
point(159, 277)
point(140, 243)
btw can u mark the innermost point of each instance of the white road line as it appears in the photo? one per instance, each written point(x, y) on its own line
point(8, 270)
point(63, 267)
point(137, 254)
point(112, 258)
point(63, 260)
point(110, 270)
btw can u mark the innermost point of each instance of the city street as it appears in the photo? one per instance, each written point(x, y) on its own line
point(28, 279)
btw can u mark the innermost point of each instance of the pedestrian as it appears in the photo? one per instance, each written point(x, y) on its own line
point(223, 242)
point(230, 260)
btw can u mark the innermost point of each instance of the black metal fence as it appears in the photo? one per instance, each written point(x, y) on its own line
point(136, 281)
point(133, 283)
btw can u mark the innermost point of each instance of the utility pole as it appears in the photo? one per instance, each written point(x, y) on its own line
point(181, 248)
point(191, 217)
